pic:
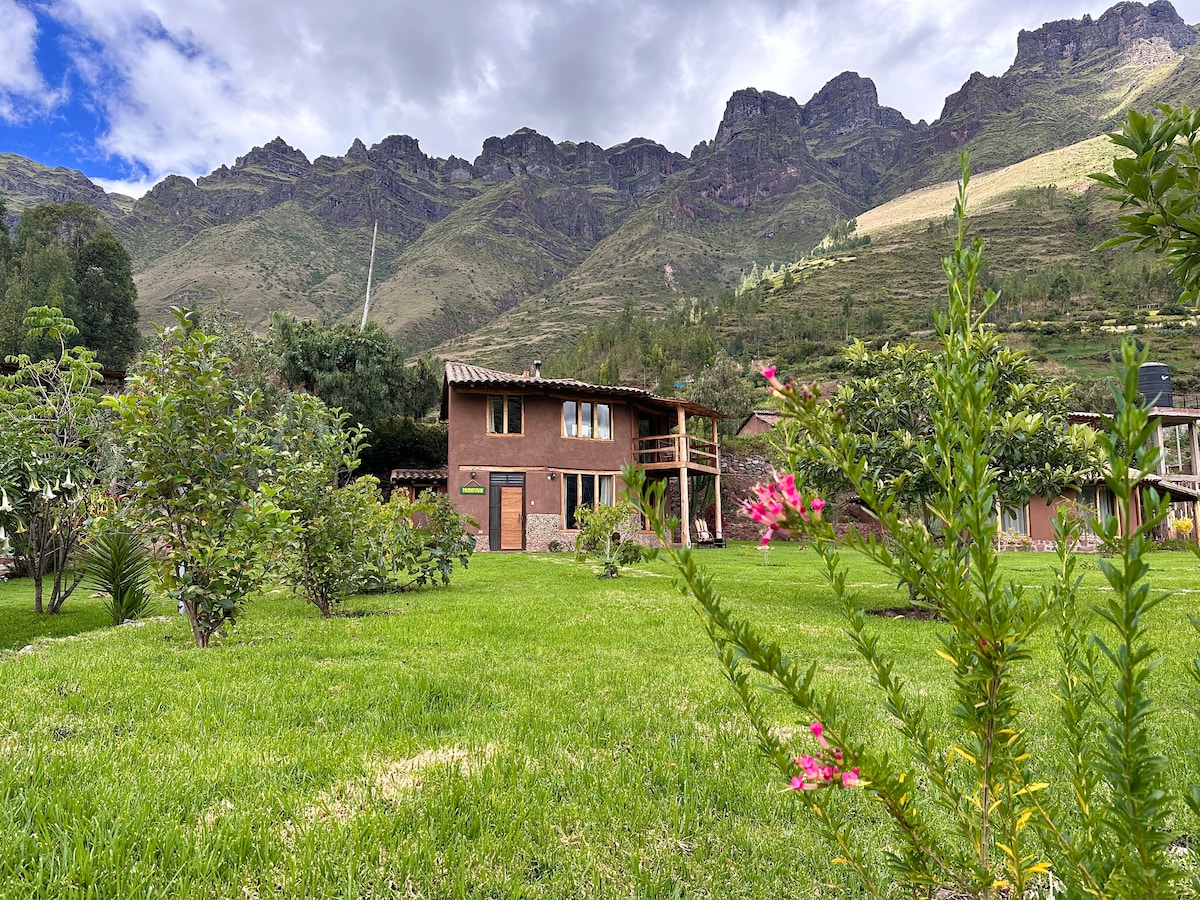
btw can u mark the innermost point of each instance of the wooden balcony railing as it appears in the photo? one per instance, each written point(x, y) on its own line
point(672, 450)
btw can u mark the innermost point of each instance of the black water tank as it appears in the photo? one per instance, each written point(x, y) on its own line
point(1154, 383)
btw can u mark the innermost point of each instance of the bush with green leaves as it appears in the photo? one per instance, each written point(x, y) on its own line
point(200, 464)
point(975, 805)
point(604, 535)
point(413, 542)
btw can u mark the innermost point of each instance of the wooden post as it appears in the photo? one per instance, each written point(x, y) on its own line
point(1194, 445)
point(1161, 467)
point(681, 457)
point(717, 453)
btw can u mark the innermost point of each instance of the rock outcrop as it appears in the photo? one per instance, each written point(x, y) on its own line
point(1123, 24)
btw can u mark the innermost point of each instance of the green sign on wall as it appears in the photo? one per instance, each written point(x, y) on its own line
point(472, 489)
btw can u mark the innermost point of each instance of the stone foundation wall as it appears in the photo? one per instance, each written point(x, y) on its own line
point(1087, 543)
point(739, 475)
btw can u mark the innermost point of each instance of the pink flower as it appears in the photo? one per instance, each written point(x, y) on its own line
point(850, 779)
point(818, 732)
point(769, 373)
point(779, 506)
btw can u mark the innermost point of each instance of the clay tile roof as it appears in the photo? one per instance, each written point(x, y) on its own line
point(475, 376)
point(422, 475)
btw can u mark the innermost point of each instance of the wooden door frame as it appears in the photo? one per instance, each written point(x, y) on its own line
point(496, 482)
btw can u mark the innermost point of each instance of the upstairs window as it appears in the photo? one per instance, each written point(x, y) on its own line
point(584, 419)
point(504, 414)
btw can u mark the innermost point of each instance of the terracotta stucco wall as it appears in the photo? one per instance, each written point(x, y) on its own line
point(539, 451)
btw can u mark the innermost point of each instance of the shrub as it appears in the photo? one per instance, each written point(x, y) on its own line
point(603, 535)
point(118, 565)
point(410, 543)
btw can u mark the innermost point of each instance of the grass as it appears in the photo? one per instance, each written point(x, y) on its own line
point(529, 731)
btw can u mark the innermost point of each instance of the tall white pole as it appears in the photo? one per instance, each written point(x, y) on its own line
point(370, 272)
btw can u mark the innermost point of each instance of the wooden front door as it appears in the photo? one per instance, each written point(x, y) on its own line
point(512, 520)
point(506, 511)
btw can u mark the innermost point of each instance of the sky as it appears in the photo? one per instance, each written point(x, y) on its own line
point(129, 91)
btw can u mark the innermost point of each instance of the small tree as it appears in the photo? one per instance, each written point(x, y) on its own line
point(316, 451)
point(197, 454)
point(49, 454)
point(603, 535)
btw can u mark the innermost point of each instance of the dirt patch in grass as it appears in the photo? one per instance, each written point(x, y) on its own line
point(920, 613)
point(400, 775)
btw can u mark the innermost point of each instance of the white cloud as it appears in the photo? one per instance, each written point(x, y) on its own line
point(23, 91)
point(186, 85)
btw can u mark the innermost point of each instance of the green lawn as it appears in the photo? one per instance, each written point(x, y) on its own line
point(529, 731)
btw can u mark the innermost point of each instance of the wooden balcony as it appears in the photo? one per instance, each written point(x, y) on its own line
point(671, 451)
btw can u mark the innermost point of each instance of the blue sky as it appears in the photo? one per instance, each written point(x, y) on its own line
point(129, 91)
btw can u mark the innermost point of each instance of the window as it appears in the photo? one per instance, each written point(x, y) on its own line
point(587, 420)
point(1015, 519)
point(584, 489)
point(1099, 501)
point(504, 414)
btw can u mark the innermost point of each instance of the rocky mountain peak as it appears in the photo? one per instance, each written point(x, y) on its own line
point(277, 157)
point(781, 113)
point(402, 151)
point(849, 102)
point(523, 150)
point(1116, 29)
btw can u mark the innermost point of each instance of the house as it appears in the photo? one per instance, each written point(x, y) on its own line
point(526, 452)
point(759, 421)
point(1177, 436)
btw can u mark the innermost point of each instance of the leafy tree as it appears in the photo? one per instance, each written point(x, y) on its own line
point(319, 452)
point(401, 441)
point(5, 239)
point(63, 259)
point(724, 387)
point(200, 463)
point(362, 373)
point(49, 454)
point(884, 408)
point(106, 298)
point(68, 224)
point(1159, 186)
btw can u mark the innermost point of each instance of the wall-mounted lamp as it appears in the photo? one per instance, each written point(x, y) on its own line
point(551, 476)
point(472, 476)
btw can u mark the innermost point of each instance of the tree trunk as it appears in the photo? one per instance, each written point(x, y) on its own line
point(198, 634)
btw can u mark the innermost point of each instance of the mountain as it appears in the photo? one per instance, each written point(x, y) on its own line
point(513, 254)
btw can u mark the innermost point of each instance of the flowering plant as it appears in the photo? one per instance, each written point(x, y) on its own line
point(972, 811)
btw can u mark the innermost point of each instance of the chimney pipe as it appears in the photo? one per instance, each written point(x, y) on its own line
point(537, 368)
